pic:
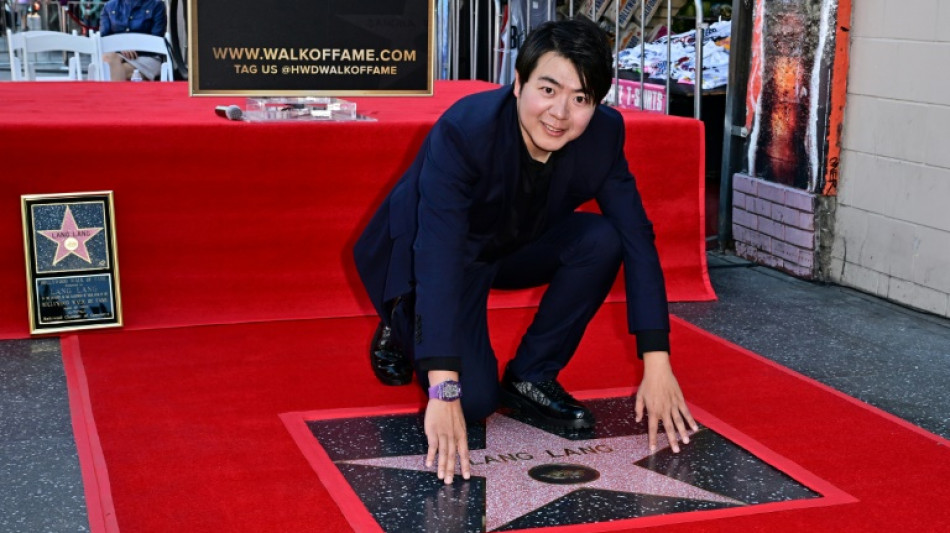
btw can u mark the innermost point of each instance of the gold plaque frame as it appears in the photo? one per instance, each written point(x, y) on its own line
point(72, 269)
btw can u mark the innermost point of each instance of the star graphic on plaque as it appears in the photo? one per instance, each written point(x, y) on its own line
point(526, 468)
point(70, 238)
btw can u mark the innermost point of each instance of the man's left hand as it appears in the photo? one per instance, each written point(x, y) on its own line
point(660, 395)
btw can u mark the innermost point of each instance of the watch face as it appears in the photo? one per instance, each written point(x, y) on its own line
point(450, 390)
point(446, 391)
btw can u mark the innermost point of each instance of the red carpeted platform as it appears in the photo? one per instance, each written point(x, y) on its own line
point(227, 222)
point(249, 225)
point(180, 429)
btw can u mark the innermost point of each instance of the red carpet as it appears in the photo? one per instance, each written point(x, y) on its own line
point(230, 222)
point(179, 429)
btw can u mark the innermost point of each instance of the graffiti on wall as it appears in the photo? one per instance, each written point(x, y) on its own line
point(789, 89)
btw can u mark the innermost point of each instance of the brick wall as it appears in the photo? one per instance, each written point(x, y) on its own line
point(774, 225)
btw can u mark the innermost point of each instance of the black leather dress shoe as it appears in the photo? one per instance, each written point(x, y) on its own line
point(545, 401)
point(389, 361)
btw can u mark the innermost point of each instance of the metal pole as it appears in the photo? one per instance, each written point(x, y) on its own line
point(455, 13)
point(698, 88)
point(527, 16)
point(494, 39)
point(669, 50)
point(616, 82)
point(734, 131)
point(473, 42)
point(643, 42)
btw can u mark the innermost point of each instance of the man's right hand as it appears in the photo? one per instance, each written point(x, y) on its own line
point(445, 431)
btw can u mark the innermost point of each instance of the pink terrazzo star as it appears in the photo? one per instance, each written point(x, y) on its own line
point(513, 448)
point(70, 239)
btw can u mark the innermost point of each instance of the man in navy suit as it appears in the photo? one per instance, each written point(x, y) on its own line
point(489, 202)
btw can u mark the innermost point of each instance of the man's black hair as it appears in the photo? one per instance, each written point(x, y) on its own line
point(581, 42)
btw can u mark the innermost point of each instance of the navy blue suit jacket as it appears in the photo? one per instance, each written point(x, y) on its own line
point(450, 203)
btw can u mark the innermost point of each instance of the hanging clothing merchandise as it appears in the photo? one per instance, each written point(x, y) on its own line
point(511, 38)
point(682, 68)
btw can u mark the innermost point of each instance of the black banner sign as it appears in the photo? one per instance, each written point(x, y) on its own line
point(311, 47)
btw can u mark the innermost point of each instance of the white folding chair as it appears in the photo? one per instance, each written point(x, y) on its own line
point(139, 42)
point(72, 45)
point(15, 49)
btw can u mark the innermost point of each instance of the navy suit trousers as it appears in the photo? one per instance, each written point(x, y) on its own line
point(578, 258)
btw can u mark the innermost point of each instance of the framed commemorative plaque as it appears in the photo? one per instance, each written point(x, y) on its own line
point(72, 270)
point(308, 48)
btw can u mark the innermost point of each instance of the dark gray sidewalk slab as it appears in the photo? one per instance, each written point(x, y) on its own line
point(889, 356)
point(41, 486)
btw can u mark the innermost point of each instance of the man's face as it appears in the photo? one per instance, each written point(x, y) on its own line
point(552, 108)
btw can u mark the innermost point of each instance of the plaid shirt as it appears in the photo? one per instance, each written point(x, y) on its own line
point(136, 16)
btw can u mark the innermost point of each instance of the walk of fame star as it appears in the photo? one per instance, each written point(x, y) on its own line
point(70, 238)
point(514, 449)
point(526, 477)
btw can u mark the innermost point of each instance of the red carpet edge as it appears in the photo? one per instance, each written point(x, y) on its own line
point(92, 463)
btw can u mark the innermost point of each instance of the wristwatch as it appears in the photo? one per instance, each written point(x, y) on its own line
point(447, 391)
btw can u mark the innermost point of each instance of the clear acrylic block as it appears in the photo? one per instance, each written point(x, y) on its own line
point(302, 108)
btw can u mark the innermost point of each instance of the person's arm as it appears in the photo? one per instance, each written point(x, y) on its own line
point(159, 20)
point(446, 432)
point(105, 22)
point(439, 250)
point(444, 200)
point(621, 204)
point(659, 394)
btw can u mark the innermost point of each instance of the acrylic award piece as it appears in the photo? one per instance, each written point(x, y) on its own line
point(71, 264)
